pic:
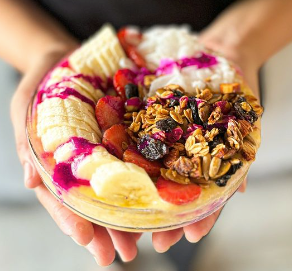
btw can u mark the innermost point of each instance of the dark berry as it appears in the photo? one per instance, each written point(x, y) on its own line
point(173, 102)
point(166, 125)
point(178, 93)
point(216, 140)
point(192, 103)
point(223, 180)
point(152, 149)
point(131, 90)
point(250, 116)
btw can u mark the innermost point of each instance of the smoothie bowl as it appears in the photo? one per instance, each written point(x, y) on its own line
point(135, 134)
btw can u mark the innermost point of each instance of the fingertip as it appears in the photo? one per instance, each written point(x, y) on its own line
point(31, 177)
point(242, 187)
point(82, 232)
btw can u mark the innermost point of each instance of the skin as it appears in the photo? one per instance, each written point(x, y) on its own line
point(247, 40)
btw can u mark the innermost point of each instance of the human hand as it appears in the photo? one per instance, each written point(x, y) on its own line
point(100, 242)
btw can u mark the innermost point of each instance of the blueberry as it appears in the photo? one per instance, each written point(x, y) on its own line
point(250, 116)
point(131, 90)
point(166, 125)
point(152, 149)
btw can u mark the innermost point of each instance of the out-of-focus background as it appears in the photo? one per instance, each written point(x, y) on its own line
point(254, 232)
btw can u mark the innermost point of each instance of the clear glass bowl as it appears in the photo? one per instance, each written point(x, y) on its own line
point(83, 202)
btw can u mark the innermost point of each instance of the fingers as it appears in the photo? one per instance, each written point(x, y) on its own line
point(101, 246)
point(162, 241)
point(79, 229)
point(196, 231)
point(125, 244)
point(243, 186)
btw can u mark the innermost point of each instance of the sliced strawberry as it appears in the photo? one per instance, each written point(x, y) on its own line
point(130, 39)
point(151, 167)
point(177, 193)
point(121, 79)
point(114, 140)
point(109, 110)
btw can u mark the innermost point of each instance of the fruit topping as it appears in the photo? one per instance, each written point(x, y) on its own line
point(109, 110)
point(244, 110)
point(151, 167)
point(133, 104)
point(176, 193)
point(166, 125)
point(131, 90)
point(122, 78)
point(230, 88)
point(151, 148)
point(116, 140)
point(192, 103)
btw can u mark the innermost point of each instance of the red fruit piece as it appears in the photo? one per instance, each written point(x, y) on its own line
point(109, 110)
point(114, 140)
point(176, 193)
point(151, 167)
point(129, 39)
point(121, 79)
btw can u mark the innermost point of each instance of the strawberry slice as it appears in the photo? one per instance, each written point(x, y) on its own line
point(109, 110)
point(176, 193)
point(121, 79)
point(130, 39)
point(151, 167)
point(114, 140)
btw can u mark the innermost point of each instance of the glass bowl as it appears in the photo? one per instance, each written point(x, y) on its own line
point(83, 201)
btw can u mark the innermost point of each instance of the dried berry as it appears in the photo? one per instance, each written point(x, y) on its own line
point(216, 141)
point(166, 125)
point(173, 102)
point(241, 113)
point(178, 93)
point(192, 103)
point(131, 90)
point(151, 148)
point(222, 181)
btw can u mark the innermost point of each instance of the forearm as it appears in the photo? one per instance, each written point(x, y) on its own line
point(28, 33)
point(253, 29)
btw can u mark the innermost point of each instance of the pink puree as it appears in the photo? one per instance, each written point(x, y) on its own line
point(63, 177)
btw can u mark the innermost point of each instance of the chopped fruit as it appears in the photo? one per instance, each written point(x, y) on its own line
point(133, 104)
point(131, 90)
point(129, 39)
point(230, 88)
point(109, 110)
point(122, 78)
point(176, 193)
point(116, 140)
point(151, 167)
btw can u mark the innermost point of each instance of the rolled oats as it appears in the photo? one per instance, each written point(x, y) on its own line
point(209, 135)
point(177, 117)
point(214, 166)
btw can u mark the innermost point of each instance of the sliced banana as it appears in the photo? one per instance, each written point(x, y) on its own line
point(124, 184)
point(83, 167)
point(58, 74)
point(64, 152)
point(56, 136)
point(100, 55)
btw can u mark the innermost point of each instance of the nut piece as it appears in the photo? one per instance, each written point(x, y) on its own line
point(219, 151)
point(206, 165)
point(214, 166)
point(245, 127)
point(172, 175)
point(215, 116)
point(224, 168)
point(183, 166)
point(229, 154)
point(196, 172)
point(204, 111)
point(206, 94)
point(171, 157)
point(234, 137)
point(248, 150)
point(209, 135)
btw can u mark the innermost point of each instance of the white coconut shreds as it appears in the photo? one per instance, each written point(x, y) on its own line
point(177, 42)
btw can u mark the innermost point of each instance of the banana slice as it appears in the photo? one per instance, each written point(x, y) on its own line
point(64, 152)
point(56, 136)
point(58, 74)
point(100, 55)
point(124, 184)
point(83, 167)
point(45, 124)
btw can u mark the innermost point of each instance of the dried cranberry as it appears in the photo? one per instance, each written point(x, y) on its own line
point(152, 149)
point(131, 90)
point(166, 125)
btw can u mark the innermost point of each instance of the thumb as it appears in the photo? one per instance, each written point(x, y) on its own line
point(18, 110)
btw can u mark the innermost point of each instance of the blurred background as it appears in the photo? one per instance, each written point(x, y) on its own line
point(254, 232)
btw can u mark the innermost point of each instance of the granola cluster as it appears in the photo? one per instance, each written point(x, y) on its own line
point(199, 139)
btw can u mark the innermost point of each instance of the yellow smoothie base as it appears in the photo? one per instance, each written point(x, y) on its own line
point(156, 217)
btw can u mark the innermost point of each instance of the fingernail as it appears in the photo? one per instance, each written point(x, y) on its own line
point(76, 241)
point(159, 250)
point(28, 172)
point(96, 261)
